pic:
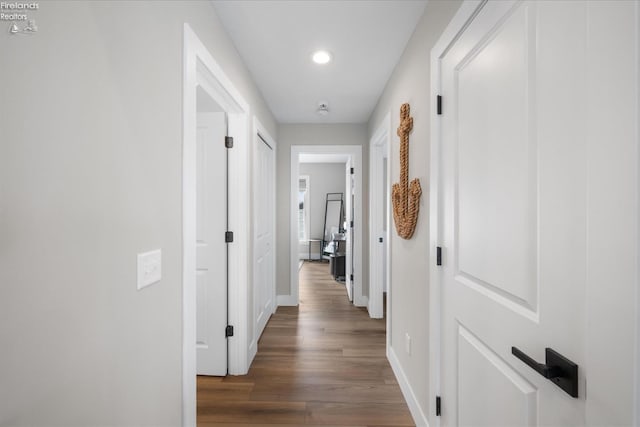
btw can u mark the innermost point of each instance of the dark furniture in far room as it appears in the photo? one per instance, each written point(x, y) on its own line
point(336, 266)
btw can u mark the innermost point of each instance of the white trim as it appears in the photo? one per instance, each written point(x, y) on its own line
point(238, 258)
point(303, 254)
point(349, 187)
point(365, 301)
point(201, 69)
point(380, 140)
point(419, 417)
point(459, 22)
point(253, 349)
point(637, 367)
point(287, 300)
point(355, 153)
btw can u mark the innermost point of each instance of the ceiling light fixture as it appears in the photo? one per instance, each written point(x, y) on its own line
point(321, 57)
point(323, 109)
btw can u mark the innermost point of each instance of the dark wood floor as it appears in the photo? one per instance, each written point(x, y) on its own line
point(322, 363)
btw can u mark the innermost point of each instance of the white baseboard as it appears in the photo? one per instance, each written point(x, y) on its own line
point(304, 256)
point(253, 350)
point(416, 412)
point(287, 300)
point(372, 314)
point(363, 301)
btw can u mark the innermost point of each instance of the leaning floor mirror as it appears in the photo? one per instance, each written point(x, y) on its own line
point(333, 220)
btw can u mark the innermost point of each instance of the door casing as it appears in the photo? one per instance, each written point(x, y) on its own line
point(200, 69)
point(379, 146)
point(355, 153)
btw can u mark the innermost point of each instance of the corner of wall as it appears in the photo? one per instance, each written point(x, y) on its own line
point(286, 301)
point(253, 350)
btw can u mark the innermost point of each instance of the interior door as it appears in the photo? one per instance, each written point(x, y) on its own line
point(349, 229)
point(211, 249)
point(513, 220)
point(264, 269)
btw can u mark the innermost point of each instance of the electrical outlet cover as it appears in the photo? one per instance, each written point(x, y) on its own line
point(149, 268)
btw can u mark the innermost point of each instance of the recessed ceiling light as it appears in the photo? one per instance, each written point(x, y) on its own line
point(321, 57)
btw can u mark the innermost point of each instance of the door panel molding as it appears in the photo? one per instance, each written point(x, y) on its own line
point(512, 392)
point(493, 197)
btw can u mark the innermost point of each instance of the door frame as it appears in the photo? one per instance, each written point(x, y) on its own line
point(355, 153)
point(377, 152)
point(201, 69)
point(467, 12)
point(259, 131)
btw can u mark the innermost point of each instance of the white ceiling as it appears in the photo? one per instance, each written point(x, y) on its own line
point(276, 40)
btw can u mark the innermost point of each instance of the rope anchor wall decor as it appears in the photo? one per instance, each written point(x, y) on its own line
point(405, 196)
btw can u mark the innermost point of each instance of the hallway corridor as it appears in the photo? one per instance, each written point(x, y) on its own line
point(322, 363)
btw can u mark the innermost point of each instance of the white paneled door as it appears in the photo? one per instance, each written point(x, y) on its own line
point(516, 88)
point(264, 196)
point(211, 249)
point(348, 211)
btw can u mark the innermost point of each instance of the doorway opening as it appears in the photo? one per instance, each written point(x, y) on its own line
point(337, 194)
point(203, 76)
point(322, 226)
point(380, 221)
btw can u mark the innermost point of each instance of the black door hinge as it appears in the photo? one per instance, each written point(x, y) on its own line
point(351, 224)
point(228, 237)
point(380, 239)
point(228, 141)
point(351, 277)
point(438, 255)
point(438, 406)
point(352, 171)
point(439, 104)
point(228, 332)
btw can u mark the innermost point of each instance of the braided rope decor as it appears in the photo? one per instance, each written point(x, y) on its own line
point(405, 196)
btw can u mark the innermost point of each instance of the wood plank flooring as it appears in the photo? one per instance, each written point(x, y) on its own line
point(322, 363)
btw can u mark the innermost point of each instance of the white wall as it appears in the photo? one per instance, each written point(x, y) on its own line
point(90, 175)
point(410, 82)
point(312, 134)
point(325, 178)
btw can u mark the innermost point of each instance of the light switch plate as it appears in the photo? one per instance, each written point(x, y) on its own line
point(149, 268)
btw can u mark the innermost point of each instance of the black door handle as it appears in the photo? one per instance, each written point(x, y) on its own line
point(557, 368)
point(545, 370)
